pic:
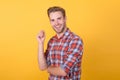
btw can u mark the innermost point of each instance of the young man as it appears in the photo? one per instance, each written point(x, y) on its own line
point(63, 56)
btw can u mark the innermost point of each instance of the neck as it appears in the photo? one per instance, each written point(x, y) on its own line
point(61, 34)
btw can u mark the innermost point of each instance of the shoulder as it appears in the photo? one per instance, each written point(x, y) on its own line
point(51, 40)
point(75, 38)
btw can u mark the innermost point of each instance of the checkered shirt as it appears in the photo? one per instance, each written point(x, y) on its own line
point(65, 52)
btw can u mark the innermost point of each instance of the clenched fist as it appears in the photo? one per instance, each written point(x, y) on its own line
point(41, 36)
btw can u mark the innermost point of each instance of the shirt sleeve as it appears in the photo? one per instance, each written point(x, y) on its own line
point(74, 55)
point(47, 54)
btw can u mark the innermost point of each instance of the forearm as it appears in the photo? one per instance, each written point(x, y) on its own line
point(41, 57)
point(58, 71)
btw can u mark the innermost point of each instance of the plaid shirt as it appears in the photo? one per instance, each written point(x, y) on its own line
point(65, 52)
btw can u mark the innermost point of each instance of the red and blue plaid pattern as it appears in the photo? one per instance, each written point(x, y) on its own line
point(65, 52)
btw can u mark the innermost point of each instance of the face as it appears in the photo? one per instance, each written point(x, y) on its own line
point(57, 21)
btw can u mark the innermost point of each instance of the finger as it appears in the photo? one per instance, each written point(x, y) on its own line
point(42, 33)
point(39, 37)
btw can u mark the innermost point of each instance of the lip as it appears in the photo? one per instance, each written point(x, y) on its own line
point(57, 26)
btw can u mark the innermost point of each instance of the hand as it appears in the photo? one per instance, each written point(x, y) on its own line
point(41, 36)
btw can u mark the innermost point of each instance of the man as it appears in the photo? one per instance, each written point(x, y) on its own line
point(62, 58)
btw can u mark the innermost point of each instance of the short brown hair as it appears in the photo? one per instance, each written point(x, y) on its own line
point(54, 9)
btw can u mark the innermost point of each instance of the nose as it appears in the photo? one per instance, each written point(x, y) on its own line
point(56, 23)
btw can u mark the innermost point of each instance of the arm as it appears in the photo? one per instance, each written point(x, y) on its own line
point(41, 57)
point(74, 55)
point(42, 60)
point(58, 71)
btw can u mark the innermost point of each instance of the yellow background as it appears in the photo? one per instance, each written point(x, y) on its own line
point(96, 21)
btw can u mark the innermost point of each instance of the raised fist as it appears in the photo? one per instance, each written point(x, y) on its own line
point(41, 36)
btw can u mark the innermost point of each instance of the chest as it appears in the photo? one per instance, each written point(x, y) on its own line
point(58, 51)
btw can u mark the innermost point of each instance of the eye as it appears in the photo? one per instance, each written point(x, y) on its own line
point(52, 20)
point(59, 18)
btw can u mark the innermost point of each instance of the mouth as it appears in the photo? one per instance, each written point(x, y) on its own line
point(57, 26)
